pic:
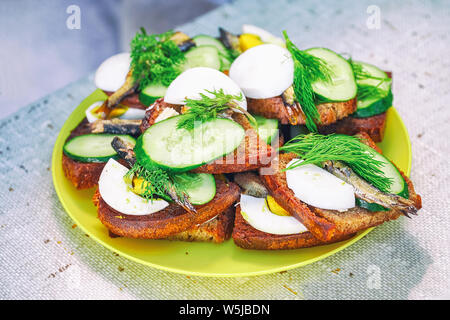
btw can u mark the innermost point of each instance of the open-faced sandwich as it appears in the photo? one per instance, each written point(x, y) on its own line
point(315, 87)
point(130, 87)
point(182, 149)
point(374, 98)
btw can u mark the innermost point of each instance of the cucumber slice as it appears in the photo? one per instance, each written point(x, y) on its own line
point(267, 128)
point(202, 56)
point(374, 207)
point(204, 40)
point(371, 106)
point(200, 187)
point(151, 93)
point(93, 147)
point(399, 185)
point(180, 150)
point(343, 84)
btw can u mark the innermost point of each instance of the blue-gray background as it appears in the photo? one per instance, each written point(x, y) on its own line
point(39, 54)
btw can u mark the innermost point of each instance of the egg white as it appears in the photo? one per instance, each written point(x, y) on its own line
point(130, 114)
point(118, 195)
point(194, 81)
point(319, 188)
point(264, 35)
point(256, 212)
point(111, 74)
point(264, 71)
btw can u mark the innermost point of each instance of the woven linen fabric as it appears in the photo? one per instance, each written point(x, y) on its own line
point(44, 256)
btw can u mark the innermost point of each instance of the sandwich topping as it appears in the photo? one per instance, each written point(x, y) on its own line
point(258, 214)
point(374, 178)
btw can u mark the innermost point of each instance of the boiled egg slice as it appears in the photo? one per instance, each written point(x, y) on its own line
point(119, 196)
point(264, 71)
point(256, 212)
point(319, 188)
point(198, 80)
point(264, 35)
point(111, 74)
point(121, 112)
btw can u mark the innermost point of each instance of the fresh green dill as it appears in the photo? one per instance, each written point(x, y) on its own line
point(366, 90)
point(160, 183)
point(307, 69)
point(157, 179)
point(155, 58)
point(209, 107)
point(315, 149)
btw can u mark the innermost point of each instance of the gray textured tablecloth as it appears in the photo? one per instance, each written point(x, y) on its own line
point(42, 256)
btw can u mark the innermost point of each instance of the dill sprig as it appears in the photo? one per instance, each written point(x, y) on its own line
point(366, 90)
point(155, 58)
point(209, 107)
point(315, 149)
point(160, 183)
point(307, 69)
point(157, 179)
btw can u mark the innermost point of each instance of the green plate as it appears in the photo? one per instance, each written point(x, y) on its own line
point(204, 259)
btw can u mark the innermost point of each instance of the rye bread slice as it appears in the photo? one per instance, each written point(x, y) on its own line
point(169, 221)
point(326, 224)
point(253, 153)
point(216, 230)
point(247, 237)
point(83, 175)
point(274, 108)
point(374, 126)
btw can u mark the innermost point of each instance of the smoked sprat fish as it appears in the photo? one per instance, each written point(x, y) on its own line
point(367, 192)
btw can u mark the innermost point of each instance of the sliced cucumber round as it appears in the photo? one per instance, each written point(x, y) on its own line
point(202, 56)
point(181, 150)
point(151, 93)
point(200, 187)
point(267, 128)
point(373, 105)
point(342, 86)
point(398, 186)
point(374, 207)
point(93, 147)
point(205, 40)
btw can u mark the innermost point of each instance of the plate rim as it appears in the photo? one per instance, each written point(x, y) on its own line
point(59, 193)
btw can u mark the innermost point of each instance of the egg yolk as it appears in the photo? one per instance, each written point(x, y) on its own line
point(275, 207)
point(247, 41)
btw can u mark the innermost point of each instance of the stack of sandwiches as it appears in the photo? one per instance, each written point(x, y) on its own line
point(243, 136)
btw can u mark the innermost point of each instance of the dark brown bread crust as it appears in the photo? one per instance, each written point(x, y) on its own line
point(173, 219)
point(216, 230)
point(251, 154)
point(274, 108)
point(247, 237)
point(155, 111)
point(326, 224)
point(82, 175)
point(374, 126)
